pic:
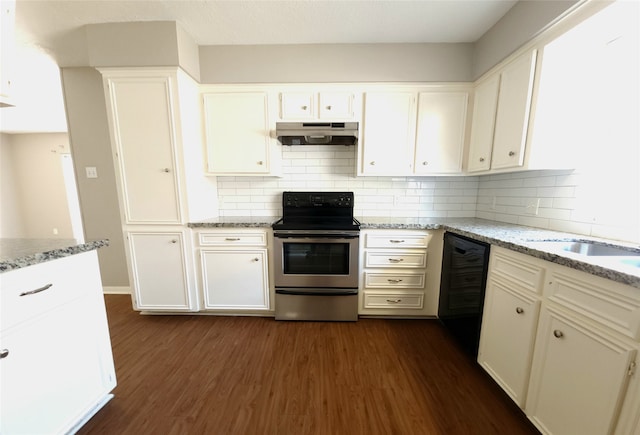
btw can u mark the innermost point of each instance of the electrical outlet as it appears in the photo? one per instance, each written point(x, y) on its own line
point(532, 206)
point(493, 203)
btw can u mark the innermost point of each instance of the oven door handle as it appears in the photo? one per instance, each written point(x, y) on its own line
point(323, 237)
point(328, 292)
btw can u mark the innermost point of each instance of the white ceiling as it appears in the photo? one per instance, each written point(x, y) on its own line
point(42, 24)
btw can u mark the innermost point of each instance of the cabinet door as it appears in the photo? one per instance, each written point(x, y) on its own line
point(440, 132)
point(235, 279)
point(159, 271)
point(237, 131)
point(482, 125)
point(512, 117)
point(53, 374)
point(296, 106)
point(578, 377)
point(506, 340)
point(144, 135)
point(335, 105)
point(389, 133)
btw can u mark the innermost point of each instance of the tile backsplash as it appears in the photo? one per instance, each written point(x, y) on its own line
point(327, 167)
point(568, 200)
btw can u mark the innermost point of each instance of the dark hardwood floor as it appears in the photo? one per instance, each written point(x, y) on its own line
point(247, 375)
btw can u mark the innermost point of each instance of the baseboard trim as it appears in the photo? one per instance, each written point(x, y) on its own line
point(116, 290)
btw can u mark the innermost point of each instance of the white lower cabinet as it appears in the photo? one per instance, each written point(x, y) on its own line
point(396, 279)
point(579, 376)
point(161, 270)
point(234, 270)
point(56, 368)
point(508, 334)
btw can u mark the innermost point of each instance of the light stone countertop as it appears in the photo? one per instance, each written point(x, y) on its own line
point(515, 237)
point(18, 253)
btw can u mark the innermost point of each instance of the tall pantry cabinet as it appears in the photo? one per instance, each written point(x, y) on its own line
point(156, 140)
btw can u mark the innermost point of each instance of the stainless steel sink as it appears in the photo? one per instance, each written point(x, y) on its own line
point(587, 248)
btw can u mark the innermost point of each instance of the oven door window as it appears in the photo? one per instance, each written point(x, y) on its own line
point(316, 258)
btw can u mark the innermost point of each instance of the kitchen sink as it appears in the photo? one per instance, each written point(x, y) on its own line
point(589, 249)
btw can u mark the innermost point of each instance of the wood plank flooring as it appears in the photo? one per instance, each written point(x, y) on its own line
point(247, 375)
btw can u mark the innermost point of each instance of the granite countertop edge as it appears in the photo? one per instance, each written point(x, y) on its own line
point(515, 237)
point(29, 252)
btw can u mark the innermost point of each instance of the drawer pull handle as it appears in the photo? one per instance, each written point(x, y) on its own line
point(558, 333)
point(396, 241)
point(256, 259)
point(519, 310)
point(232, 239)
point(394, 281)
point(4, 353)
point(38, 290)
point(396, 260)
point(394, 301)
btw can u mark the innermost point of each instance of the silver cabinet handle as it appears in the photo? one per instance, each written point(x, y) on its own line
point(396, 260)
point(512, 153)
point(174, 241)
point(558, 333)
point(394, 281)
point(232, 239)
point(519, 310)
point(394, 301)
point(304, 107)
point(481, 159)
point(4, 353)
point(396, 241)
point(38, 290)
point(328, 107)
point(260, 162)
point(167, 170)
point(425, 163)
point(372, 163)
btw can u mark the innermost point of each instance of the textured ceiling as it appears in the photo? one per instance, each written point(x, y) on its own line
point(44, 26)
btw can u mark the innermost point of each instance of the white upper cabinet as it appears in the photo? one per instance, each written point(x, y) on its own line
point(237, 129)
point(388, 136)
point(440, 132)
point(501, 116)
point(142, 114)
point(7, 49)
point(413, 131)
point(327, 105)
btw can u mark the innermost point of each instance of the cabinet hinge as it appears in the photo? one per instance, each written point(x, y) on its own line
point(632, 369)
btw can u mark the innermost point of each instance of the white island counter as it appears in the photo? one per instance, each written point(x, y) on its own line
point(56, 366)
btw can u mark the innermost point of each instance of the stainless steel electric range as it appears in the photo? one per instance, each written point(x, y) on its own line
point(316, 245)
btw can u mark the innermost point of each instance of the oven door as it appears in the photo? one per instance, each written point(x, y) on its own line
point(316, 260)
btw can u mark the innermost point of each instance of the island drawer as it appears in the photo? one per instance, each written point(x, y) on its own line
point(227, 238)
point(398, 280)
point(394, 300)
point(395, 259)
point(402, 240)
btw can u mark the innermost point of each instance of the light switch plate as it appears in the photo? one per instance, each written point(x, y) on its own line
point(91, 171)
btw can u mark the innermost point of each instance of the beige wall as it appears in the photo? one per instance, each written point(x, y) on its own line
point(521, 23)
point(37, 179)
point(11, 224)
point(91, 146)
point(335, 63)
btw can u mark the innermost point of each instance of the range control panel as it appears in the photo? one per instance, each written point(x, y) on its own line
point(317, 200)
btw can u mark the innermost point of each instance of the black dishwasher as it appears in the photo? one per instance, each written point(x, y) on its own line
point(464, 277)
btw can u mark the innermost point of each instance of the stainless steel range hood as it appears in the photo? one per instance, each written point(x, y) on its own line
point(317, 133)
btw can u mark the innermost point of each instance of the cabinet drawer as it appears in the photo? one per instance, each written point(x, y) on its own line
point(233, 238)
point(395, 259)
point(393, 300)
point(518, 269)
point(397, 240)
point(609, 303)
point(33, 290)
point(399, 280)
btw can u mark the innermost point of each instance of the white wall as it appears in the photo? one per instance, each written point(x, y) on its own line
point(11, 223)
point(38, 181)
point(326, 167)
